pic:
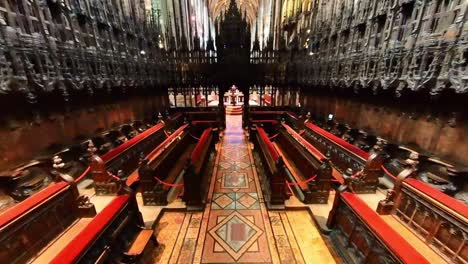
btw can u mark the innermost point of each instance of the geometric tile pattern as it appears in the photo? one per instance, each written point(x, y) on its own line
point(236, 234)
point(224, 201)
point(235, 201)
point(235, 228)
point(235, 180)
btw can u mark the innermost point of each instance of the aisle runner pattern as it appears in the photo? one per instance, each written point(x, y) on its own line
point(236, 227)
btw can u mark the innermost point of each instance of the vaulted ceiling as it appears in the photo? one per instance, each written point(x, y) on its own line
point(250, 7)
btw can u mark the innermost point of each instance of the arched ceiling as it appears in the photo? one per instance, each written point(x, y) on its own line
point(217, 7)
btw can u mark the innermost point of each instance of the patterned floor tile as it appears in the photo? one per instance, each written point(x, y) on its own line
point(236, 234)
point(223, 201)
point(247, 201)
point(235, 180)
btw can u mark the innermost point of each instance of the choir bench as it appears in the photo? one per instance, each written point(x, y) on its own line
point(361, 236)
point(180, 162)
point(439, 220)
point(310, 172)
point(115, 235)
point(27, 228)
point(123, 159)
point(270, 167)
point(347, 158)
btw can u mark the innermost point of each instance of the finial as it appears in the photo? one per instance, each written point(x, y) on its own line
point(91, 148)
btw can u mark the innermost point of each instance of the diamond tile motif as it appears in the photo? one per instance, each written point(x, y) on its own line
point(235, 180)
point(247, 200)
point(223, 201)
point(236, 234)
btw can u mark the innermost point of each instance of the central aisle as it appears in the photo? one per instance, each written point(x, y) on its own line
point(238, 227)
point(235, 225)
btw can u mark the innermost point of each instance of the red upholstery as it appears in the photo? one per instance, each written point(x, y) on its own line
point(166, 141)
point(396, 243)
point(267, 112)
point(265, 121)
point(175, 116)
point(203, 122)
point(305, 143)
point(439, 196)
point(30, 203)
point(268, 143)
point(200, 144)
point(130, 143)
point(81, 242)
point(350, 147)
point(292, 115)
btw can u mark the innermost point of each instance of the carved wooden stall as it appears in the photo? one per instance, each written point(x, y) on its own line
point(440, 220)
point(122, 160)
point(366, 168)
point(310, 172)
point(158, 173)
point(198, 170)
point(115, 235)
point(361, 236)
point(26, 228)
point(271, 168)
point(202, 119)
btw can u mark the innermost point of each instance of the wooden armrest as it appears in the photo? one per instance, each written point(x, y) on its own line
point(140, 242)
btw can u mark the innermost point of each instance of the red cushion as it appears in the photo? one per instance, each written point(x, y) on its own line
point(268, 143)
point(175, 116)
point(200, 144)
point(439, 196)
point(265, 121)
point(166, 141)
point(83, 240)
point(305, 143)
point(30, 203)
point(350, 147)
point(396, 243)
point(130, 143)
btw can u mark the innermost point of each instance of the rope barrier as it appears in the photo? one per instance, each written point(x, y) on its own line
point(302, 182)
point(194, 137)
point(387, 172)
point(167, 134)
point(169, 184)
point(357, 173)
point(274, 136)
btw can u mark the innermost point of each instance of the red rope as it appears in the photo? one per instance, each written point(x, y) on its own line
point(357, 174)
point(194, 137)
point(274, 136)
point(167, 134)
point(169, 184)
point(303, 182)
point(388, 172)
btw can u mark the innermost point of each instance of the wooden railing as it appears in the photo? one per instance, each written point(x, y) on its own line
point(440, 220)
point(365, 168)
point(158, 173)
point(361, 236)
point(123, 158)
point(313, 180)
point(255, 115)
point(196, 176)
point(111, 237)
point(29, 226)
point(273, 173)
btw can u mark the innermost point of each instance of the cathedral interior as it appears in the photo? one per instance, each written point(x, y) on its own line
point(317, 131)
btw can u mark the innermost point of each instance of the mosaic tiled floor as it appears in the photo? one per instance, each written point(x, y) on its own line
point(236, 226)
